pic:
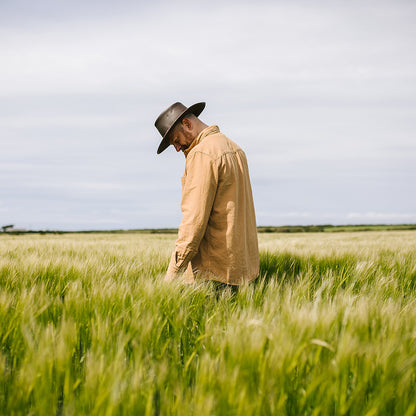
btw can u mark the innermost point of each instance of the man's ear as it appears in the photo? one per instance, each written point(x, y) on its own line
point(187, 123)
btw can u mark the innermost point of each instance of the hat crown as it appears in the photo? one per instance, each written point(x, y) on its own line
point(168, 118)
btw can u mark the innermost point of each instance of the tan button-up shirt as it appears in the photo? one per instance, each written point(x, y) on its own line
point(217, 235)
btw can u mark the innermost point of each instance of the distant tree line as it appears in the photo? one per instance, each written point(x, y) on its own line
point(7, 230)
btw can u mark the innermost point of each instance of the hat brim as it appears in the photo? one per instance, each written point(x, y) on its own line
point(195, 109)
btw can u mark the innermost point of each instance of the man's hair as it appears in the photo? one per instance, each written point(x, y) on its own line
point(178, 125)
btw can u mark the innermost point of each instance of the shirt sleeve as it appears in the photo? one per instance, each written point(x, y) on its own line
point(199, 187)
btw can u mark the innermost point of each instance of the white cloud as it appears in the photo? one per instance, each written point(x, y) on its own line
point(316, 48)
point(62, 120)
point(321, 95)
point(380, 216)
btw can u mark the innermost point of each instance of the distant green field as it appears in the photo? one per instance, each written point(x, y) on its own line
point(87, 327)
point(336, 228)
point(261, 229)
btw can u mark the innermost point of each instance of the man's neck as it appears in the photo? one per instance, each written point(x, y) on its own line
point(208, 130)
point(199, 127)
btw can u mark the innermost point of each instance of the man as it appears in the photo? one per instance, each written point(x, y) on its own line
point(217, 237)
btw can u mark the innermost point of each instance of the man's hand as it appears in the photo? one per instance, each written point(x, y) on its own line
point(170, 277)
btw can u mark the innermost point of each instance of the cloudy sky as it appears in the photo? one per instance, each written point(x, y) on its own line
point(320, 94)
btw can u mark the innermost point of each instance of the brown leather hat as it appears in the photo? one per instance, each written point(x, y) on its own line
point(170, 116)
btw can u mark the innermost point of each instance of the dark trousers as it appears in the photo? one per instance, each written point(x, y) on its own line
point(221, 287)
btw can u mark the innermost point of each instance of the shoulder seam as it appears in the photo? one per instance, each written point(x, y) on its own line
point(218, 157)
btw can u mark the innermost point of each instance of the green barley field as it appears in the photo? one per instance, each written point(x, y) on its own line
point(87, 327)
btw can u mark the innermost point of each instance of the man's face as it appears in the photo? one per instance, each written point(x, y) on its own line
point(181, 138)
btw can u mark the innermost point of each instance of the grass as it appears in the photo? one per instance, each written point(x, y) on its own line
point(88, 327)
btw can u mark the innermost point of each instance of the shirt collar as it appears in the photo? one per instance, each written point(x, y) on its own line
point(204, 133)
